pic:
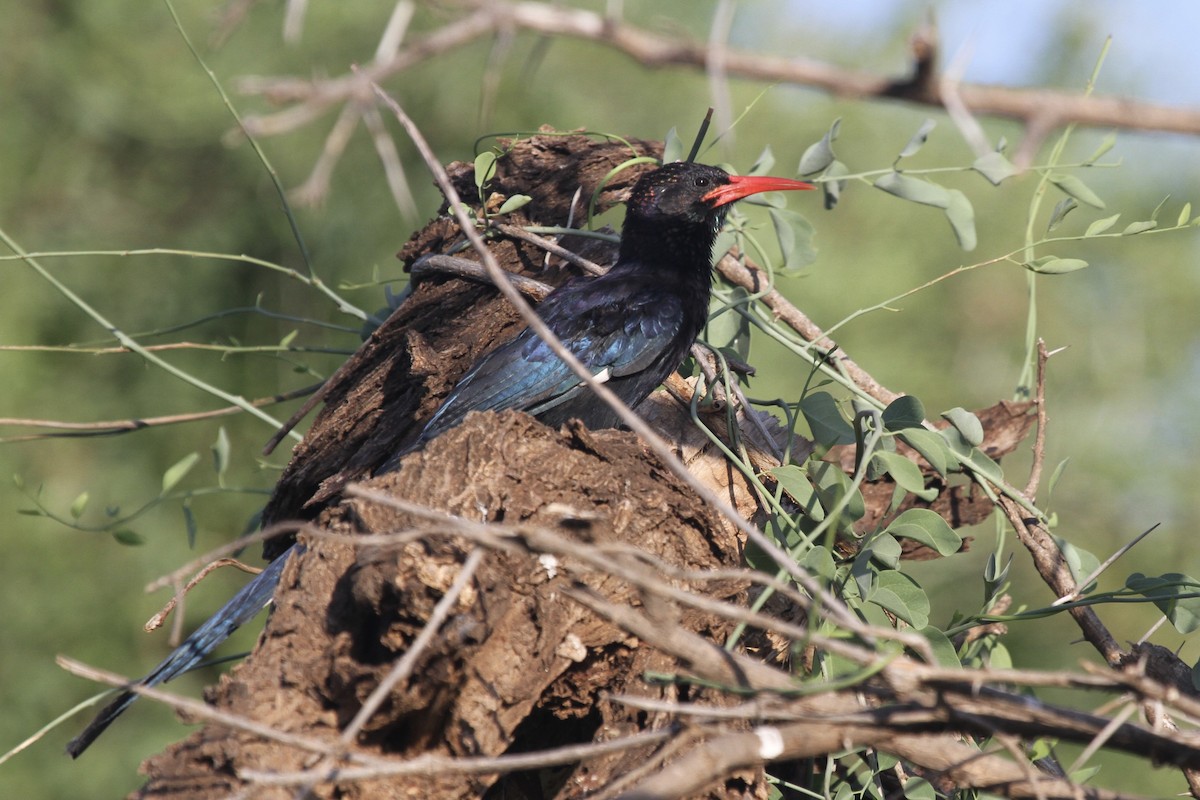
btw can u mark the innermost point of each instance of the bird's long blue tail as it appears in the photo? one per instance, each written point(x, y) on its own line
point(241, 608)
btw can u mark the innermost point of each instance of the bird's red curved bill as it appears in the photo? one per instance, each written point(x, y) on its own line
point(740, 186)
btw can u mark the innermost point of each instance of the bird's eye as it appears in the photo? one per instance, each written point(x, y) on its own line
point(702, 182)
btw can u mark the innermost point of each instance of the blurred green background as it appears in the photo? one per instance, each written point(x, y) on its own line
point(113, 138)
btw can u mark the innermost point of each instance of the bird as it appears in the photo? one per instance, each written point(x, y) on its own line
point(630, 327)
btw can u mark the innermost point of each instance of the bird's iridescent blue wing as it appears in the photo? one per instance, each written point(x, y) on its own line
point(616, 331)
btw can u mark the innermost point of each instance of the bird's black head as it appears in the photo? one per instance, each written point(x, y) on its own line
point(678, 191)
point(675, 211)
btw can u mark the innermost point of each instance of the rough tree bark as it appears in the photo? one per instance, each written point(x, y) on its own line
point(519, 665)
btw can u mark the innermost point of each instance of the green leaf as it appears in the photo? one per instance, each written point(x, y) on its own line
point(220, 451)
point(905, 473)
point(995, 167)
point(828, 426)
point(932, 447)
point(513, 203)
point(189, 524)
point(1081, 563)
point(901, 595)
point(919, 789)
point(961, 215)
point(819, 561)
point(176, 472)
point(966, 423)
point(1169, 594)
point(673, 149)
point(485, 167)
point(1073, 187)
point(1139, 227)
point(126, 536)
point(985, 465)
point(918, 139)
point(995, 577)
point(820, 155)
point(832, 485)
point(928, 528)
point(904, 412)
point(943, 649)
point(795, 236)
point(1158, 208)
point(1185, 214)
point(914, 190)
point(765, 162)
point(1101, 225)
point(1105, 145)
point(729, 329)
point(1057, 474)
point(885, 550)
point(78, 506)
point(1061, 209)
point(795, 483)
point(998, 656)
point(832, 184)
point(1052, 265)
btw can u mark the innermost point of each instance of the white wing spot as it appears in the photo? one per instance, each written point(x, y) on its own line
point(603, 375)
point(770, 742)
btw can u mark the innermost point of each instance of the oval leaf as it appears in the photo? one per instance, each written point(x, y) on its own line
point(513, 203)
point(820, 155)
point(485, 166)
point(126, 536)
point(831, 186)
point(918, 139)
point(1051, 265)
point(1139, 227)
point(905, 473)
point(178, 470)
point(79, 504)
point(961, 216)
point(932, 447)
point(1101, 225)
point(928, 528)
point(1072, 186)
point(915, 190)
point(943, 650)
point(220, 451)
point(905, 411)
point(967, 424)
point(995, 167)
point(828, 426)
point(901, 595)
point(673, 149)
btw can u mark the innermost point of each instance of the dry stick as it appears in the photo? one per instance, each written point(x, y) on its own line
point(123, 425)
point(940, 752)
point(986, 710)
point(754, 280)
point(439, 264)
point(1041, 110)
point(155, 622)
point(426, 765)
point(517, 232)
point(1039, 441)
point(656, 443)
point(203, 710)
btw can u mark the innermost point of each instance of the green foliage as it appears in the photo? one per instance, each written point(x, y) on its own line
point(113, 146)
